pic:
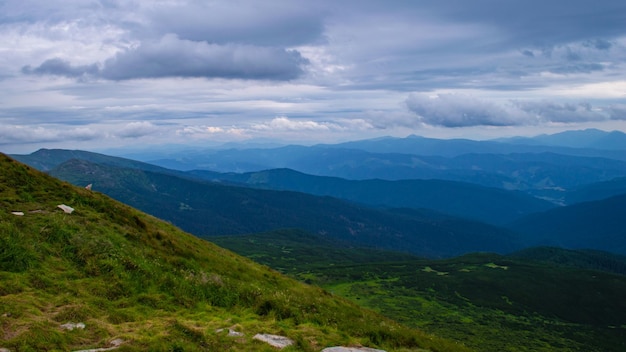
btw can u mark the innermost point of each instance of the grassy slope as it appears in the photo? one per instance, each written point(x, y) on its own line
point(490, 302)
point(131, 276)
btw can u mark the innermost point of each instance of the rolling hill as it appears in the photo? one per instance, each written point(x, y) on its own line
point(490, 205)
point(592, 225)
point(597, 191)
point(504, 170)
point(107, 275)
point(589, 138)
point(208, 209)
point(547, 174)
point(47, 159)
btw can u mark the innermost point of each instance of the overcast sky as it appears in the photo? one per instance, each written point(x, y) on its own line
point(97, 74)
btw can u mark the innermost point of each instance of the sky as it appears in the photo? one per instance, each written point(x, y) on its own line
point(97, 74)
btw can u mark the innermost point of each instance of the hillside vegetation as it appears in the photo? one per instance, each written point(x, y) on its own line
point(542, 299)
point(131, 277)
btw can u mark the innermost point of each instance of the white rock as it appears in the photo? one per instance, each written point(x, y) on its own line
point(18, 213)
point(99, 349)
point(65, 208)
point(231, 332)
point(350, 349)
point(274, 340)
point(115, 345)
point(116, 342)
point(72, 326)
point(234, 333)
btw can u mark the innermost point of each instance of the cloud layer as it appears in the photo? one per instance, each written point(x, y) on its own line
point(173, 57)
point(166, 71)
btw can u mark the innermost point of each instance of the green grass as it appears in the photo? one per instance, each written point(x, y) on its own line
point(522, 308)
point(128, 275)
point(486, 301)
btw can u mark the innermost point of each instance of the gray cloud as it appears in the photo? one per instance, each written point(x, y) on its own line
point(578, 68)
point(323, 64)
point(260, 23)
point(11, 134)
point(617, 111)
point(174, 57)
point(549, 111)
point(599, 44)
point(59, 67)
point(457, 110)
point(537, 22)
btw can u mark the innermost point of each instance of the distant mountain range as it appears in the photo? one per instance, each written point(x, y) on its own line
point(544, 166)
point(408, 201)
point(208, 209)
point(487, 204)
point(587, 139)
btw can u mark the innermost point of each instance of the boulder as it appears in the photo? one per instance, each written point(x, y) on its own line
point(350, 349)
point(115, 344)
point(277, 341)
point(65, 208)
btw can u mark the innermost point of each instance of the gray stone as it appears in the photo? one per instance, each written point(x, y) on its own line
point(115, 345)
point(277, 341)
point(67, 209)
point(350, 349)
point(116, 342)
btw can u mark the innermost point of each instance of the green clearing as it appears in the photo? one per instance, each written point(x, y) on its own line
point(486, 301)
point(128, 275)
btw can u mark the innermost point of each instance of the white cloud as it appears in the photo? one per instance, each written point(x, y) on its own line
point(206, 132)
point(285, 124)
